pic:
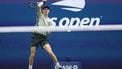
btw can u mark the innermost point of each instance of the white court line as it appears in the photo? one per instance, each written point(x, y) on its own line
point(7, 29)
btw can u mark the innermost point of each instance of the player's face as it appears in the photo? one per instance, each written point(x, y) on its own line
point(46, 11)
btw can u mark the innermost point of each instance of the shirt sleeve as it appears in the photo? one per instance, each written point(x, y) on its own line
point(39, 5)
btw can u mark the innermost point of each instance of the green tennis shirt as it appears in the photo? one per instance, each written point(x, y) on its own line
point(42, 21)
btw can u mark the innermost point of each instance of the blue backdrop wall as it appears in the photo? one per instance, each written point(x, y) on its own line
point(95, 50)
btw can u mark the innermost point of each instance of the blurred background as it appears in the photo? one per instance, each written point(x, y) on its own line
point(93, 50)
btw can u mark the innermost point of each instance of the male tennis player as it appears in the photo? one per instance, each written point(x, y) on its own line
point(40, 38)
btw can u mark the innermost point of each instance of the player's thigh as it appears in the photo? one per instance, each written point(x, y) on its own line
point(48, 48)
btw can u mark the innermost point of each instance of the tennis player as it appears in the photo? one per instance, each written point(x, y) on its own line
point(39, 39)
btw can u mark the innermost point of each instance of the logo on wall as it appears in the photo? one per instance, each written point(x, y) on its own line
point(71, 5)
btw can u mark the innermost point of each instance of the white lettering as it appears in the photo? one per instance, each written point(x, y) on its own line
point(84, 21)
point(53, 21)
point(95, 21)
point(74, 22)
point(70, 66)
point(75, 67)
point(64, 22)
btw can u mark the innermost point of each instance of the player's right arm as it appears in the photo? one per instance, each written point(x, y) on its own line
point(39, 5)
